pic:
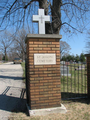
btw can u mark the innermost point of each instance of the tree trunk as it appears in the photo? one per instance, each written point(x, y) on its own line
point(43, 4)
point(56, 16)
point(54, 27)
point(5, 54)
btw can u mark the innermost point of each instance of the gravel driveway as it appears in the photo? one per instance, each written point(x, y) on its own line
point(11, 89)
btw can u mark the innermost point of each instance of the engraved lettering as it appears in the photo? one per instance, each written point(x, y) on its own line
point(44, 59)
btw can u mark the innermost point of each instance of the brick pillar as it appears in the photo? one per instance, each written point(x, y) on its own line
point(44, 88)
point(88, 74)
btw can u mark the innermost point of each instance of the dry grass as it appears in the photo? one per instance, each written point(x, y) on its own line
point(76, 110)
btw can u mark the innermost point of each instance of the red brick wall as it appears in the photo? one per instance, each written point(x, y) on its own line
point(43, 80)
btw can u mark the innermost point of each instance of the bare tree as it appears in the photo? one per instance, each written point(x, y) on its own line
point(70, 15)
point(87, 46)
point(64, 48)
point(5, 43)
point(0, 56)
point(19, 46)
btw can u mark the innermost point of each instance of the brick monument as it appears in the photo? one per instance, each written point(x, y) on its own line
point(43, 70)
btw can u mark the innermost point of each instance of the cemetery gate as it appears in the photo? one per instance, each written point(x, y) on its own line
point(73, 80)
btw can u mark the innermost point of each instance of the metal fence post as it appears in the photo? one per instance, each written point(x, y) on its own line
point(88, 74)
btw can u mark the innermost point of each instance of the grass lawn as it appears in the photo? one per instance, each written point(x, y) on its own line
point(76, 83)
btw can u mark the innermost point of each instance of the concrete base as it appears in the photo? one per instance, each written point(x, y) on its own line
point(39, 112)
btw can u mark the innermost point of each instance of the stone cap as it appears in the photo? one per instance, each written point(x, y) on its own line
point(51, 36)
point(87, 55)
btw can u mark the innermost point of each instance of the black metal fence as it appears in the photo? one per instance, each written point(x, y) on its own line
point(73, 80)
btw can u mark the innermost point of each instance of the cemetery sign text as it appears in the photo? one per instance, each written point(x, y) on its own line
point(44, 59)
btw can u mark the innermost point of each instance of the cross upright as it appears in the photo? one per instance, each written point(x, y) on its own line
point(41, 18)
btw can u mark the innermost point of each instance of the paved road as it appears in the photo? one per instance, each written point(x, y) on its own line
point(11, 89)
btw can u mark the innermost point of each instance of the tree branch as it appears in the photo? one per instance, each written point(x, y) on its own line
point(25, 7)
point(74, 5)
point(71, 26)
point(8, 11)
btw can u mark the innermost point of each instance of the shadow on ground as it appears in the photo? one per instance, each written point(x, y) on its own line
point(11, 77)
point(74, 97)
point(13, 104)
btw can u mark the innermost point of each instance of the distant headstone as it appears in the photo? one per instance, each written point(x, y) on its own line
point(62, 62)
point(79, 62)
point(80, 67)
point(65, 71)
point(41, 18)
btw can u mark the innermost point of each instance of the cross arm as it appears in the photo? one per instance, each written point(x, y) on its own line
point(35, 18)
point(47, 18)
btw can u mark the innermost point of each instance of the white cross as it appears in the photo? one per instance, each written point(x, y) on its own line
point(41, 18)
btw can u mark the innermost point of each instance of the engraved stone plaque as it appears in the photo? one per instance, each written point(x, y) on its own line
point(44, 59)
